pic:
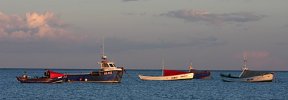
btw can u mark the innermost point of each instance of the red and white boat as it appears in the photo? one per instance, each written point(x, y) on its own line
point(169, 75)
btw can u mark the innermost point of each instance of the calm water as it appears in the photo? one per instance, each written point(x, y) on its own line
point(132, 88)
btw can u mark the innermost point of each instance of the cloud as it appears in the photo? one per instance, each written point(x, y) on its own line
point(136, 14)
point(32, 26)
point(129, 0)
point(257, 54)
point(253, 54)
point(119, 44)
point(205, 16)
point(257, 58)
point(285, 26)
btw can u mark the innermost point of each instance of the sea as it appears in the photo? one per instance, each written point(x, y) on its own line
point(132, 88)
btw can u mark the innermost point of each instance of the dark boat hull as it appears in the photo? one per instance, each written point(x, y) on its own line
point(201, 74)
point(39, 80)
point(260, 78)
point(107, 77)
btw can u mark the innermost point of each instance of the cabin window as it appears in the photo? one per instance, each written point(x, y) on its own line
point(105, 65)
point(111, 65)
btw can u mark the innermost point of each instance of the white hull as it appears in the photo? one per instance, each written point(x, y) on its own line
point(168, 78)
point(260, 78)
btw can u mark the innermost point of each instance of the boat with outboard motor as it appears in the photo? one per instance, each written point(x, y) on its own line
point(49, 77)
point(248, 75)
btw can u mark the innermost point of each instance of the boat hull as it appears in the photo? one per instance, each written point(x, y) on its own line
point(186, 76)
point(201, 74)
point(260, 78)
point(101, 76)
point(39, 80)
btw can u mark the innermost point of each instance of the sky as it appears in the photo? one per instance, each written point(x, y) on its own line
point(139, 34)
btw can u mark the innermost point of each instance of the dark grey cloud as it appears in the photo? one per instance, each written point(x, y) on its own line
point(136, 14)
point(118, 44)
point(205, 16)
point(129, 0)
point(44, 46)
point(286, 25)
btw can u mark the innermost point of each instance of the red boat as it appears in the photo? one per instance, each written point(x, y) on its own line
point(49, 77)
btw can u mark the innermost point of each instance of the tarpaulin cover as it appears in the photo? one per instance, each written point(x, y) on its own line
point(53, 74)
point(173, 72)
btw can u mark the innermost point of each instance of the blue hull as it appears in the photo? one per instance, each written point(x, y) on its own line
point(111, 77)
point(201, 74)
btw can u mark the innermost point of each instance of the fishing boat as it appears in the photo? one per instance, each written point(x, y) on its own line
point(49, 77)
point(167, 78)
point(108, 73)
point(200, 74)
point(169, 75)
point(248, 75)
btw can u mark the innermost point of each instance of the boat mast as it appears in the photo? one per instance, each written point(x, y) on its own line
point(244, 65)
point(245, 62)
point(163, 66)
point(190, 67)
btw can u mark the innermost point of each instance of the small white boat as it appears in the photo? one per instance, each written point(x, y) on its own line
point(168, 78)
point(248, 75)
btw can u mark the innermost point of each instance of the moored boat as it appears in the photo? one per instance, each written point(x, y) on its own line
point(49, 77)
point(185, 76)
point(107, 73)
point(248, 75)
point(169, 75)
point(200, 74)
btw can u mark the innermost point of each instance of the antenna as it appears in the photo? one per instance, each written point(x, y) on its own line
point(103, 50)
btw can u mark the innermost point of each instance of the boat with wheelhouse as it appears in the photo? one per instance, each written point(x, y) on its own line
point(249, 75)
point(107, 73)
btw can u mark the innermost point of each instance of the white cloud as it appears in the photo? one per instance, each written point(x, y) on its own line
point(33, 26)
